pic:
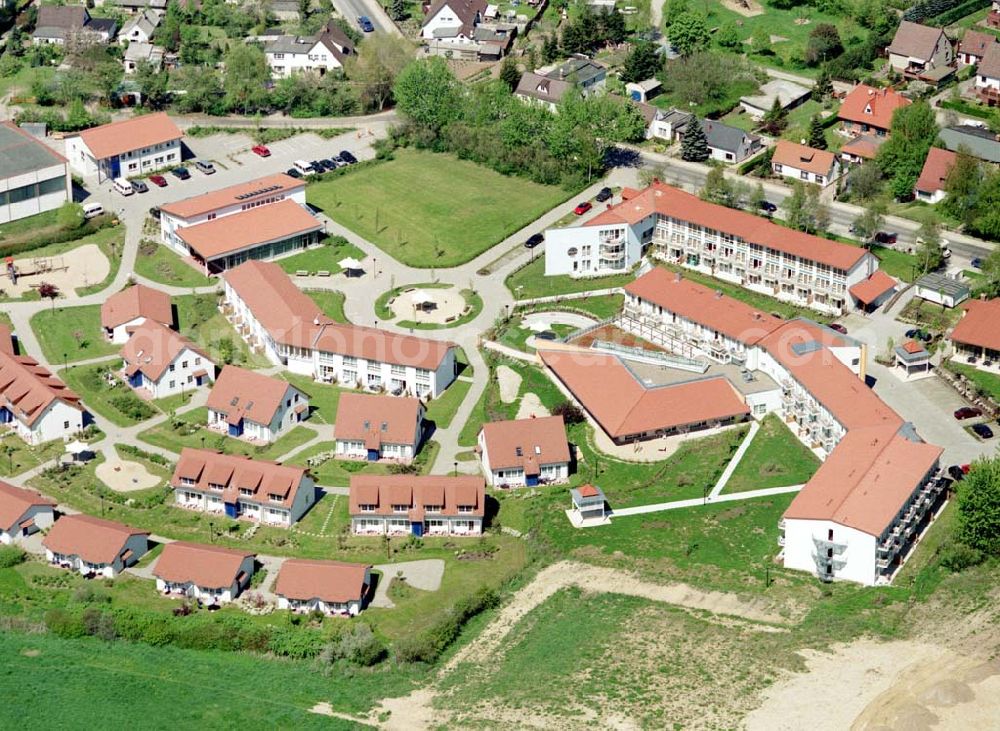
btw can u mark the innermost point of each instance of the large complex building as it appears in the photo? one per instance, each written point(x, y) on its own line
point(408, 505)
point(129, 148)
point(857, 518)
point(729, 244)
point(33, 178)
point(263, 219)
point(277, 319)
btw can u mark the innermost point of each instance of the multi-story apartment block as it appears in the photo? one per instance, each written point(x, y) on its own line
point(125, 149)
point(431, 505)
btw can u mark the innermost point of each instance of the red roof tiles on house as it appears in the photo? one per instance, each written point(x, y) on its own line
point(870, 289)
point(253, 227)
point(134, 133)
point(235, 472)
point(15, 502)
point(334, 582)
point(6, 340)
point(874, 107)
point(527, 443)
point(417, 493)
point(801, 157)
point(134, 302)
point(242, 193)
point(863, 146)
point(93, 539)
point(152, 348)
point(980, 325)
point(208, 567)
point(243, 394)
point(938, 164)
point(27, 389)
point(378, 420)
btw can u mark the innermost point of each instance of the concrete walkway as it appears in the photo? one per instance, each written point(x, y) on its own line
point(425, 575)
point(735, 461)
point(694, 502)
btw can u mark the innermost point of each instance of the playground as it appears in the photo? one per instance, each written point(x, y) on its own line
point(126, 476)
point(80, 267)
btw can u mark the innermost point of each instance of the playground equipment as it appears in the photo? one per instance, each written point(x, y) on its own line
point(33, 267)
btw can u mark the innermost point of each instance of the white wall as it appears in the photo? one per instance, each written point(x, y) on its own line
point(132, 164)
point(36, 204)
point(858, 556)
point(181, 378)
point(58, 421)
point(209, 595)
point(286, 64)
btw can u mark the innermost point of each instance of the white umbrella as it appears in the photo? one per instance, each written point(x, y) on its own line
point(422, 297)
point(76, 446)
point(349, 263)
point(539, 326)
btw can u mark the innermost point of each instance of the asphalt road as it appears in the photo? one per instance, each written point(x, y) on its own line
point(351, 10)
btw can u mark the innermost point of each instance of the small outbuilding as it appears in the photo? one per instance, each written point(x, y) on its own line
point(942, 289)
point(589, 506)
point(913, 359)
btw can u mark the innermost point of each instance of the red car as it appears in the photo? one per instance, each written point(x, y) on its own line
point(158, 180)
point(261, 150)
point(582, 208)
point(839, 328)
point(967, 412)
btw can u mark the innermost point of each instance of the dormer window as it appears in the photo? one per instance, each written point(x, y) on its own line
point(275, 498)
point(400, 508)
point(215, 486)
point(246, 492)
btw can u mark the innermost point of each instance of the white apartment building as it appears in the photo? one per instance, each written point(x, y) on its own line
point(129, 148)
point(429, 505)
point(210, 574)
point(279, 321)
point(36, 405)
point(254, 407)
point(94, 546)
point(524, 452)
point(375, 428)
point(331, 587)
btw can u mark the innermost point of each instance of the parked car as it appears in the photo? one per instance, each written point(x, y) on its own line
point(768, 207)
point(92, 210)
point(534, 240)
point(886, 237)
point(139, 186)
point(158, 180)
point(180, 173)
point(604, 194)
point(945, 251)
point(917, 333)
point(347, 157)
point(955, 472)
point(968, 412)
point(317, 167)
point(839, 328)
point(582, 208)
point(205, 167)
point(365, 23)
point(293, 173)
point(976, 263)
point(982, 431)
point(327, 164)
point(155, 212)
point(261, 150)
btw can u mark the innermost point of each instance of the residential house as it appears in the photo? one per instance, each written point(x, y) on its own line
point(62, 24)
point(131, 7)
point(788, 94)
point(331, 587)
point(494, 41)
point(285, 325)
point(542, 90)
point(930, 184)
point(34, 404)
point(548, 86)
point(140, 27)
point(733, 245)
point(993, 17)
point(979, 142)
point(33, 177)
point(209, 574)
point(255, 407)
point(939, 288)
point(126, 310)
point(128, 148)
point(976, 337)
point(374, 428)
point(730, 144)
point(240, 487)
point(973, 47)
point(524, 452)
point(449, 27)
point(807, 164)
point(860, 149)
point(325, 51)
point(7, 338)
point(94, 546)
point(669, 125)
point(921, 52)
point(432, 505)
point(868, 111)
point(22, 513)
point(138, 53)
point(265, 218)
point(987, 79)
point(873, 292)
point(160, 362)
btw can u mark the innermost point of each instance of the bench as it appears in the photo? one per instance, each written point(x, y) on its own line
point(301, 273)
point(323, 273)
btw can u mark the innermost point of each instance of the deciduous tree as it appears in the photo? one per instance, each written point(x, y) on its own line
point(427, 93)
point(689, 33)
point(246, 77)
point(979, 506)
point(381, 57)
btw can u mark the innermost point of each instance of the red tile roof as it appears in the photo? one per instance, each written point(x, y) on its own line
point(378, 420)
point(588, 490)
point(801, 157)
point(700, 304)
point(384, 491)
point(208, 567)
point(235, 472)
point(134, 133)
point(979, 325)
point(869, 290)
point(624, 407)
point(334, 582)
point(151, 348)
point(938, 164)
point(242, 394)
point(15, 502)
point(134, 302)
point(527, 443)
point(262, 188)
point(6, 340)
point(274, 222)
point(864, 146)
point(27, 389)
point(93, 539)
point(672, 202)
point(912, 346)
point(871, 106)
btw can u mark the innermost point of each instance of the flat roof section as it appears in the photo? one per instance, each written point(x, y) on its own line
point(21, 153)
point(654, 375)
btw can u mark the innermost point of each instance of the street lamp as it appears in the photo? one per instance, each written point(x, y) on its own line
point(456, 468)
point(211, 530)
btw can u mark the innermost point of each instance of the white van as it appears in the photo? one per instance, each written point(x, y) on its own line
point(304, 167)
point(90, 210)
point(123, 186)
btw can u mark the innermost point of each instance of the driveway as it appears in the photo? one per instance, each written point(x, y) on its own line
point(425, 575)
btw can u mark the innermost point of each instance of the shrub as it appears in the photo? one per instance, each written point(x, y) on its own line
point(64, 624)
point(11, 556)
point(569, 411)
point(296, 643)
point(428, 646)
point(357, 645)
point(70, 216)
point(99, 624)
point(89, 594)
point(956, 556)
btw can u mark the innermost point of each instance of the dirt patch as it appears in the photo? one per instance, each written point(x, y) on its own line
point(79, 267)
point(31, 653)
point(126, 476)
point(530, 406)
point(509, 381)
point(323, 708)
point(746, 8)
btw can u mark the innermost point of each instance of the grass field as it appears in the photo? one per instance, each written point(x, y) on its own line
point(775, 458)
point(988, 382)
point(432, 210)
point(16, 456)
point(118, 403)
point(323, 398)
point(442, 409)
point(199, 320)
point(68, 334)
point(930, 316)
point(160, 264)
point(321, 258)
point(530, 281)
point(600, 306)
point(330, 302)
point(338, 471)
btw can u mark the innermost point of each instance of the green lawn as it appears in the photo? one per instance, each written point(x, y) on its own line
point(338, 472)
point(930, 316)
point(16, 456)
point(530, 281)
point(988, 383)
point(601, 306)
point(323, 398)
point(69, 334)
point(432, 210)
point(896, 264)
point(322, 258)
point(775, 458)
point(158, 263)
point(117, 403)
point(200, 320)
point(442, 409)
point(187, 430)
point(330, 302)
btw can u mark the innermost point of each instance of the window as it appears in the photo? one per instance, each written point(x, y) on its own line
point(171, 368)
point(777, 167)
point(197, 361)
point(400, 508)
point(187, 481)
point(172, 384)
point(184, 364)
point(65, 425)
point(465, 508)
point(246, 492)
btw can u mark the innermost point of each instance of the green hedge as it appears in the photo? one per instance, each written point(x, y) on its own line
point(57, 237)
point(427, 647)
point(973, 110)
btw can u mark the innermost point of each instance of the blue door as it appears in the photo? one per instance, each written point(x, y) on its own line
point(231, 510)
point(373, 455)
point(236, 430)
point(531, 480)
point(135, 380)
point(417, 529)
point(115, 168)
point(5, 416)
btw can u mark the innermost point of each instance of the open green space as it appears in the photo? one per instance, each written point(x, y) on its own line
point(17, 456)
point(930, 316)
point(188, 430)
point(442, 409)
point(988, 383)
point(68, 334)
point(199, 319)
point(107, 395)
point(324, 258)
point(530, 281)
point(775, 458)
point(897, 264)
point(601, 307)
point(331, 302)
point(159, 264)
point(337, 472)
point(432, 210)
point(323, 398)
